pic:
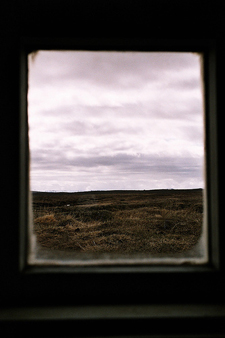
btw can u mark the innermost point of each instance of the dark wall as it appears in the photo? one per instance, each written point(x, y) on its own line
point(117, 21)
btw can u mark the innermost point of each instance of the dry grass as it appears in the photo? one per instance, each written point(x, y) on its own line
point(167, 221)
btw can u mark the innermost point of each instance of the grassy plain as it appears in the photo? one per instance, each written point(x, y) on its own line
point(155, 221)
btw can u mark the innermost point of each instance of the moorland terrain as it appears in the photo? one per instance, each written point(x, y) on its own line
point(153, 221)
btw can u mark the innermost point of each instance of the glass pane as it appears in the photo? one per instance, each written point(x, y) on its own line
point(117, 157)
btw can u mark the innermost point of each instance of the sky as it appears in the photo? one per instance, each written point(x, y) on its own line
point(115, 121)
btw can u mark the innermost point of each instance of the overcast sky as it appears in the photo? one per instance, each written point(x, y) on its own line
point(115, 120)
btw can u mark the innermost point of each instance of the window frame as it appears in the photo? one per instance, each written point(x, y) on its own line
point(185, 303)
point(207, 48)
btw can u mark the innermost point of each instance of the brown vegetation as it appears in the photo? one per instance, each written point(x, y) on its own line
point(163, 221)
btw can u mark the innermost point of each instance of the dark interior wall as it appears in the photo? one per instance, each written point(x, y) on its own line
point(118, 21)
point(114, 18)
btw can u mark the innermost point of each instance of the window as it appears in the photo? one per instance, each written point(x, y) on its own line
point(182, 300)
point(117, 157)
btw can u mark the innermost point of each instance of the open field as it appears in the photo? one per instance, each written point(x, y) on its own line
point(155, 221)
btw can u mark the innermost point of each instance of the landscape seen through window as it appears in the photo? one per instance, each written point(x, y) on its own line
point(116, 156)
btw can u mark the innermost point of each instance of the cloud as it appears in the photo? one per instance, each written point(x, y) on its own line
point(122, 171)
point(107, 119)
point(120, 164)
point(111, 68)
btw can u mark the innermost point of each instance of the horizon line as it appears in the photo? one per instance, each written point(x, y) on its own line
point(110, 190)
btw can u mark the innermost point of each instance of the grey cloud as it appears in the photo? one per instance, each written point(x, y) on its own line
point(181, 84)
point(78, 116)
point(97, 129)
point(110, 68)
point(193, 133)
point(122, 72)
point(121, 163)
